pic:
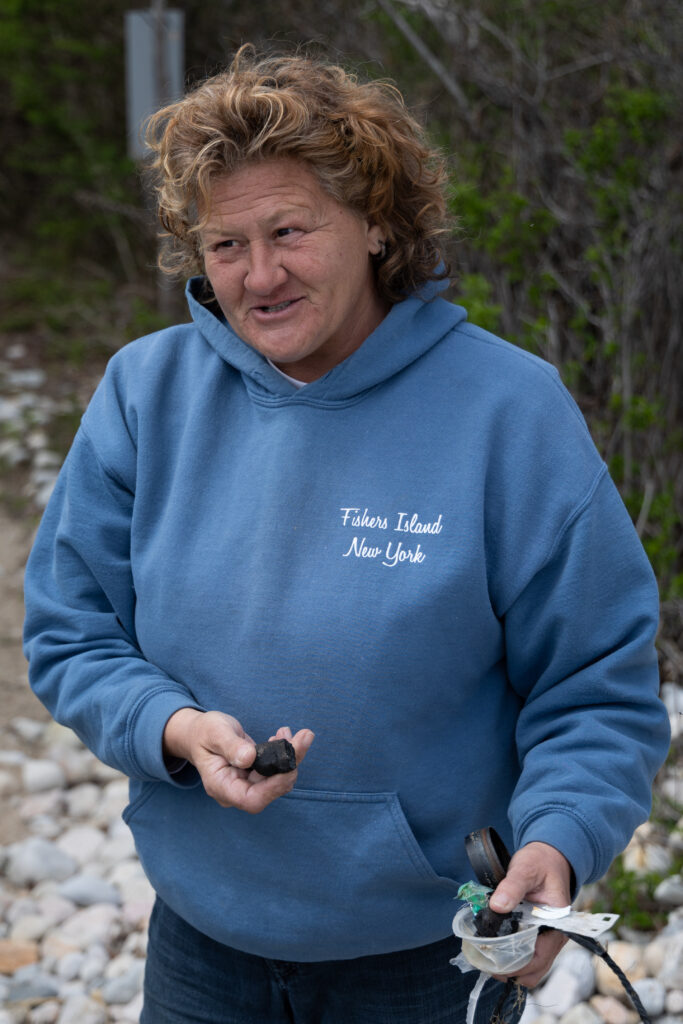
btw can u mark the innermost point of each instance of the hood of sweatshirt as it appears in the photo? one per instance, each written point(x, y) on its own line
point(410, 329)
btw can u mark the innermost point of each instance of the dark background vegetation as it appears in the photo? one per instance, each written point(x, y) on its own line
point(561, 122)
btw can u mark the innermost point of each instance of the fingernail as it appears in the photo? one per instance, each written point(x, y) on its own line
point(245, 757)
point(503, 904)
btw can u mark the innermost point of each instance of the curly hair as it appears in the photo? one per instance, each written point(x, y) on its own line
point(358, 138)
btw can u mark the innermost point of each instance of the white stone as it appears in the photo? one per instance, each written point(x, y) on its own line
point(582, 1013)
point(653, 956)
point(613, 1011)
point(126, 986)
point(671, 974)
point(12, 757)
point(39, 774)
point(84, 890)
point(45, 1013)
point(79, 767)
point(9, 783)
point(69, 967)
point(652, 994)
point(56, 946)
point(82, 842)
point(136, 943)
point(95, 963)
point(559, 993)
point(51, 904)
point(99, 923)
point(117, 849)
point(82, 800)
point(113, 801)
point(33, 985)
point(38, 805)
point(578, 962)
point(59, 738)
point(46, 826)
point(35, 859)
point(670, 891)
point(19, 907)
point(13, 452)
point(130, 1013)
point(47, 459)
point(31, 379)
point(673, 1003)
point(30, 927)
point(533, 1014)
point(672, 788)
point(674, 923)
point(82, 1009)
point(646, 858)
point(28, 729)
point(629, 958)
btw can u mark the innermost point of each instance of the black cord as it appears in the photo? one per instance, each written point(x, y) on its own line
point(594, 946)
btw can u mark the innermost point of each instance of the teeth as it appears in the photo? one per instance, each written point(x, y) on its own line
point(276, 309)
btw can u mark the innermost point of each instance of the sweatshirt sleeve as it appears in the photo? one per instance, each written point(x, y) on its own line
point(85, 663)
point(580, 651)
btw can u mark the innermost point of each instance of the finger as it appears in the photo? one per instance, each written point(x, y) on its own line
point(301, 742)
point(548, 945)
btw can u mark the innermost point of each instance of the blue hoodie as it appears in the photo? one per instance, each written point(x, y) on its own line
point(420, 556)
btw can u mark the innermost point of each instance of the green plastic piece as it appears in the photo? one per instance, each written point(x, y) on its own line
point(476, 895)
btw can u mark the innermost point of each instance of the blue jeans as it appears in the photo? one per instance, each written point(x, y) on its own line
point(191, 979)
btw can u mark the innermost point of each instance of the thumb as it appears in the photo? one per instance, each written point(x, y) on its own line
point(508, 894)
point(524, 875)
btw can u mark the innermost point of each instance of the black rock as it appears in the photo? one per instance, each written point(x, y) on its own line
point(490, 925)
point(274, 758)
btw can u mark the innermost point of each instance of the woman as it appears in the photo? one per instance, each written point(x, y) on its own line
point(331, 503)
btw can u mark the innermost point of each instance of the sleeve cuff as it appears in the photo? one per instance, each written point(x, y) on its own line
point(146, 731)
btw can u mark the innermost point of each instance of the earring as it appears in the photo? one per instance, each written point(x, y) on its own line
point(382, 250)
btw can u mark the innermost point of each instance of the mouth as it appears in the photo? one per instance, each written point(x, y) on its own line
point(277, 307)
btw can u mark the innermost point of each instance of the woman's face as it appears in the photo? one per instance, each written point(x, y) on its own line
point(290, 266)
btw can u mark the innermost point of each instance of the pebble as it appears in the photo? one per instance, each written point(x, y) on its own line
point(674, 1002)
point(613, 1011)
point(84, 890)
point(39, 775)
point(582, 1013)
point(652, 995)
point(35, 859)
point(670, 891)
point(629, 958)
point(671, 973)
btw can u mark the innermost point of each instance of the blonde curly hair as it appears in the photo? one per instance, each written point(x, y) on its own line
point(358, 138)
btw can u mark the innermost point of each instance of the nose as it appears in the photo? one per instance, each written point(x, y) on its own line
point(265, 272)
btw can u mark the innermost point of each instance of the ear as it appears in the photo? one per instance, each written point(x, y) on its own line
point(376, 241)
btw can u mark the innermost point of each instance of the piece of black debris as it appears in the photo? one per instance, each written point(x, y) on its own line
point(490, 925)
point(274, 758)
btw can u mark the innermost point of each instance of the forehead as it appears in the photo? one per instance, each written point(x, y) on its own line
point(263, 189)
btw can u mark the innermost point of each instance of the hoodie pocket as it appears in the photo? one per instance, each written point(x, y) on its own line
point(316, 876)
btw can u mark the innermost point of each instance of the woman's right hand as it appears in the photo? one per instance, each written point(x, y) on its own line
point(221, 751)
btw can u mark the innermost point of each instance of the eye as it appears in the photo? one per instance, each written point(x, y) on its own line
point(288, 232)
point(229, 243)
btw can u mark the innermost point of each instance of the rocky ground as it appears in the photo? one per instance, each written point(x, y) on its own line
point(73, 900)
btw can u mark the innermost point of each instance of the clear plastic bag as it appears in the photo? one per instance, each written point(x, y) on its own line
point(502, 955)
